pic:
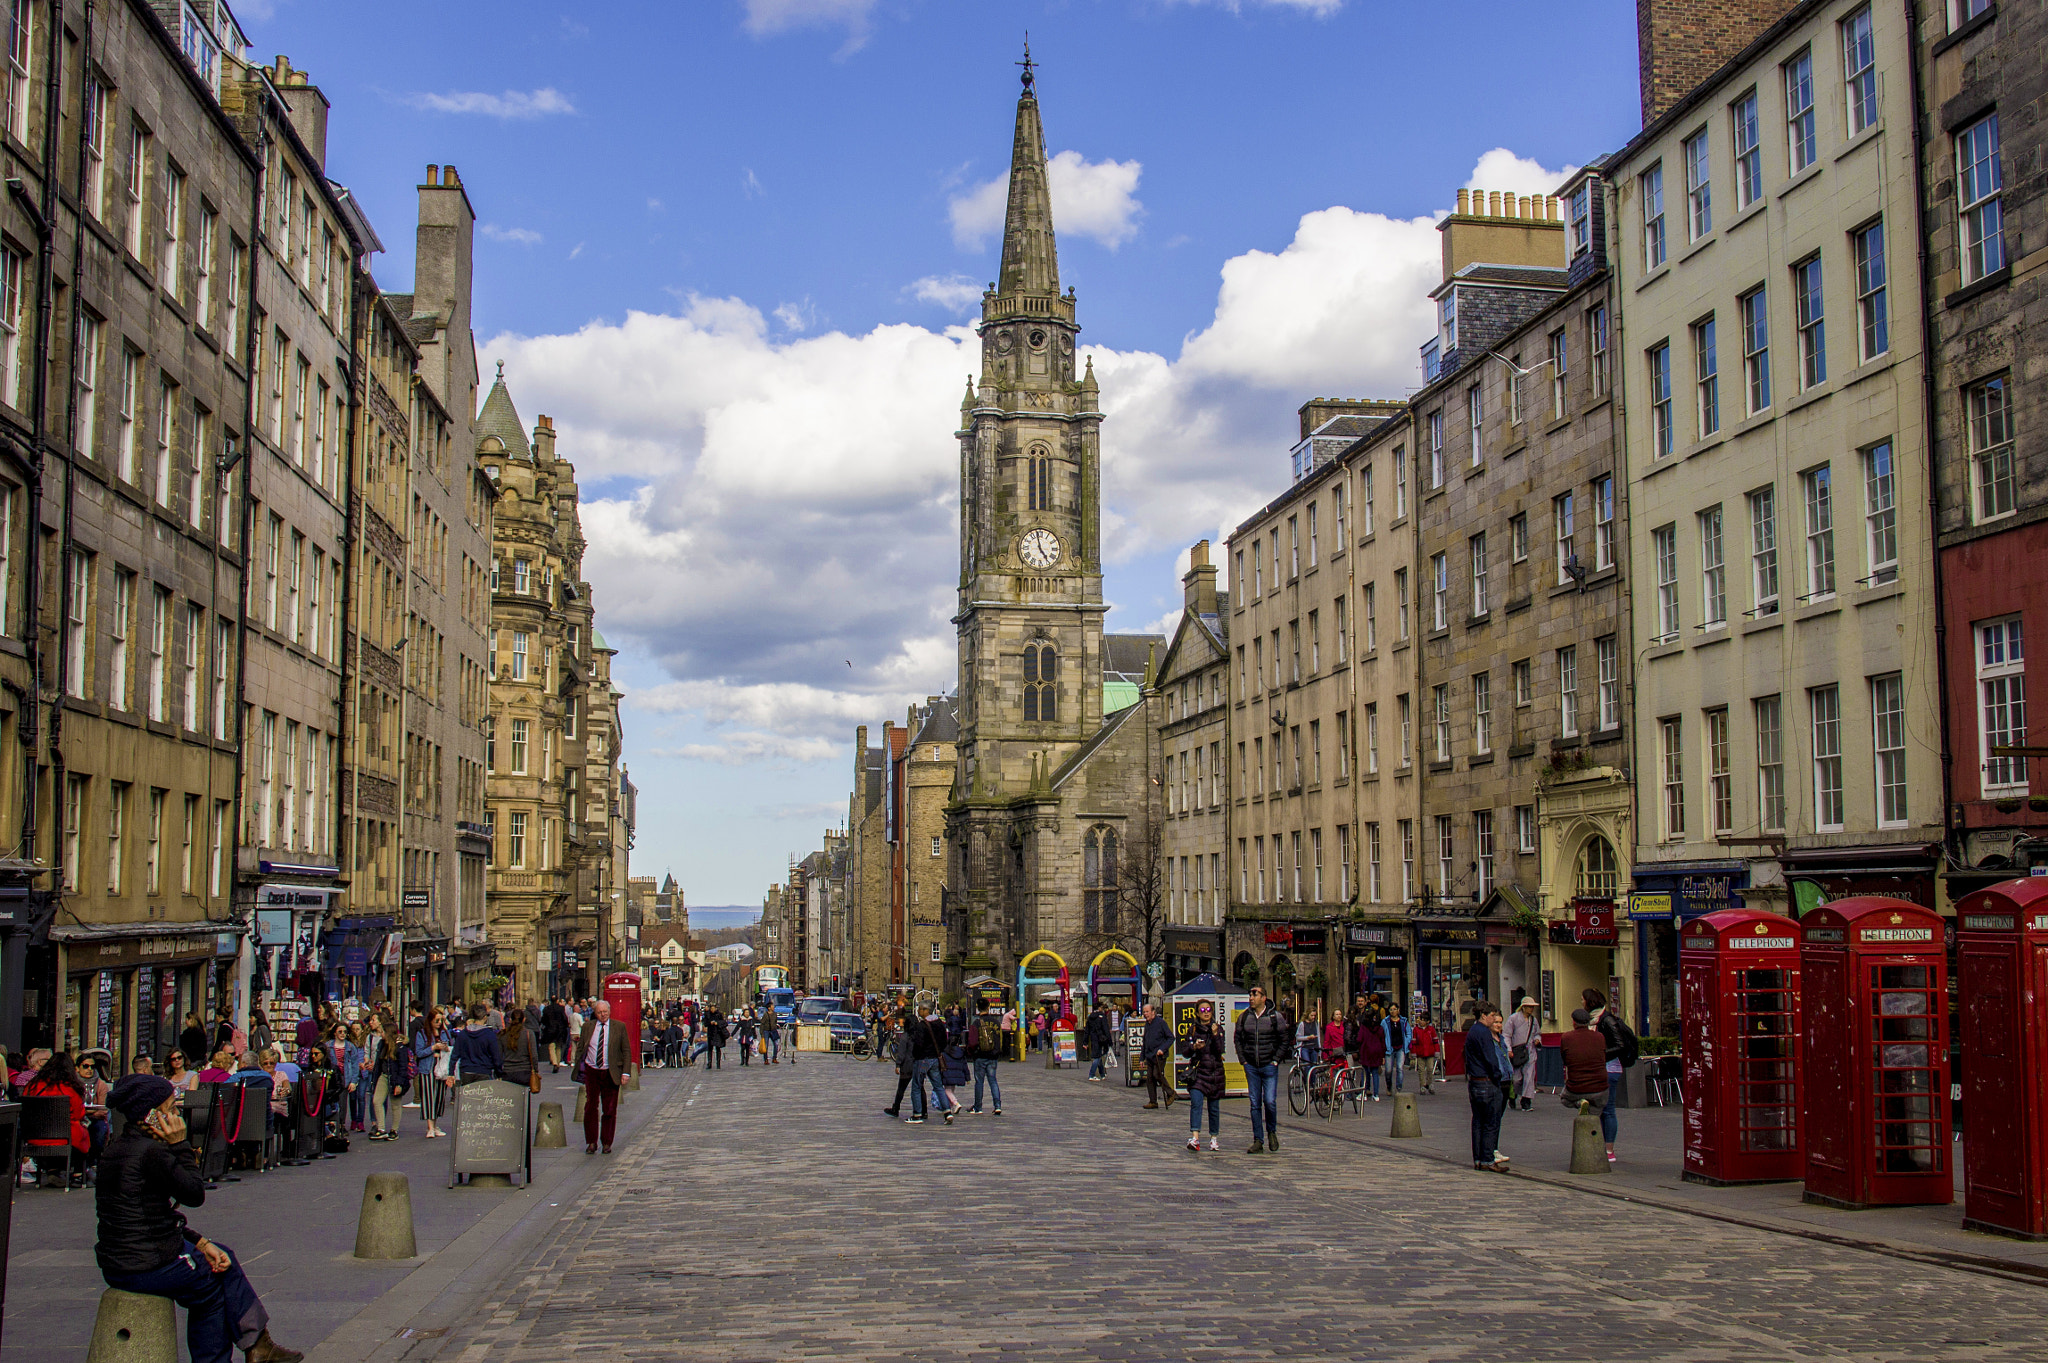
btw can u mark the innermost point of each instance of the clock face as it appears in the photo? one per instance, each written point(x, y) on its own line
point(1039, 548)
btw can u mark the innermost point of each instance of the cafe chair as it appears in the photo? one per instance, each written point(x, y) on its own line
point(1664, 1081)
point(46, 1135)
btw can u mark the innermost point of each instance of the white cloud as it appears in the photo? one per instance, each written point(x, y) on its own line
point(954, 292)
point(797, 317)
point(509, 104)
point(1095, 199)
point(768, 17)
point(779, 538)
point(750, 185)
point(519, 236)
point(1501, 169)
point(1315, 7)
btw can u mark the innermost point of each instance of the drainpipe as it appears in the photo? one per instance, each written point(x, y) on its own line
point(1931, 430)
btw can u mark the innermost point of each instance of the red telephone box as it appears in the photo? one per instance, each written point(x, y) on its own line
point(2002, 976)
point(1738, 974)
point(622, 992)
point(1874, 1055)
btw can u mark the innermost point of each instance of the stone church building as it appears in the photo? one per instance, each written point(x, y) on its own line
point(1055, 790)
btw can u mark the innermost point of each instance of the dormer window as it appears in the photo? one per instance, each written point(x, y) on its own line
point(1447, 321)
point(1432, 361)
point(1582, 220)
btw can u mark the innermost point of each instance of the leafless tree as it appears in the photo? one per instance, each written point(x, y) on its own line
point(1133, 916)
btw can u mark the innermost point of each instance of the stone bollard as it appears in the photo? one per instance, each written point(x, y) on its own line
point(1407, 1121)
point(580, 1091)
point(548, 1132)
point(632, 1081)
point(384, 1226)
point(1589, 1151)
point(132, 1328)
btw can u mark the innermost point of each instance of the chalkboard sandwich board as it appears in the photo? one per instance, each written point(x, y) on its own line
point(488, 1129)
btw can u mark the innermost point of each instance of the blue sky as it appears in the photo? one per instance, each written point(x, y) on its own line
point(731, 247)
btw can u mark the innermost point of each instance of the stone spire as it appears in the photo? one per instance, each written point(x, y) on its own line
point(1031, 263)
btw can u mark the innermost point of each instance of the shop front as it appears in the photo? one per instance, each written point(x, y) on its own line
point(1376, 962)
point(1664, 897)
point(128, 988)
point(1190, 952)
point(423, 962)
point(1451, 969)
point(1822, 875)
point(358, 958)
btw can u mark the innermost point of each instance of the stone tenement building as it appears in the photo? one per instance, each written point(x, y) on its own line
point(547, 873)
point(1787, 735)
point(294, 514)
point(1988, 309)
point(441, 501)
point(123, 393)
point(604, 837)
point(1194, 742)
point(1049, 789)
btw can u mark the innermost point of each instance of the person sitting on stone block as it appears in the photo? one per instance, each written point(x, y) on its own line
point(145, 1246)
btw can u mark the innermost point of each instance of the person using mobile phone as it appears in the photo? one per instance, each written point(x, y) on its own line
point(145, 1245)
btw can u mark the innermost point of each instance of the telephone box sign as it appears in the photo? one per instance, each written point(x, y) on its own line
point(1830, 936)
point(1895, 935)
point(1771, 943)
point(1989, 922)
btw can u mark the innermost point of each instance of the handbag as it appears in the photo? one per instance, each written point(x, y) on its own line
point(444, 1063)
point(1519, 1056)
point(533, 1080)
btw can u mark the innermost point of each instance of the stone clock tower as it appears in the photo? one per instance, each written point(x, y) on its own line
point(1050, 793)
point(1030, 618)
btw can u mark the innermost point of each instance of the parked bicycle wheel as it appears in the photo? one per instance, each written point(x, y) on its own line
point(1297, 1089)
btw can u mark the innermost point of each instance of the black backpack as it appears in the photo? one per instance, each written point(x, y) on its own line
point(988, 1037)
point(1626, 1039)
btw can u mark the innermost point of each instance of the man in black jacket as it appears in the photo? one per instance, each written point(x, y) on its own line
point(1265, 1038)
point(1155, 1049)
point(145, 1245)
point(1096, 1034)
point(554, 1032)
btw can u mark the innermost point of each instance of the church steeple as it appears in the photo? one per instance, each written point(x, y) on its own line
point(1031, 263)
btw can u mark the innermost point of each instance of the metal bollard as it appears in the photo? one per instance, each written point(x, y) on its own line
point(549, 1133)
point(1407, 1121)
point(1589, 1151)
point(384, 1226)
point(132, 1328)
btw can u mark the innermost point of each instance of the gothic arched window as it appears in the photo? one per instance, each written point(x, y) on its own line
point(1599, 877)
point(1038, 478)
point(1098, 881)
point(1041, 673)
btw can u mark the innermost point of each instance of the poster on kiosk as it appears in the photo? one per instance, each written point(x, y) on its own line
point(1738, 973)
point(2002, 978)
point(622, 992)
point(1874, 1057)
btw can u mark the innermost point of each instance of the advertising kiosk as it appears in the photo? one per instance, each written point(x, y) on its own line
point(1738, 976)
point(1873, 1057)
point(1207, 999)
point(2002, 977)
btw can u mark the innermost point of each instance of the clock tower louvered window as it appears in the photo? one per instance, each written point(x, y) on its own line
point(1041, 674)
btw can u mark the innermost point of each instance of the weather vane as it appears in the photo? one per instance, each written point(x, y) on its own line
point(1028, 65)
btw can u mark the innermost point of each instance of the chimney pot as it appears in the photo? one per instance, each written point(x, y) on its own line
point(1464, 201)
point(448, 178)
point(1552, 203)
point(1493, 203)
point(433, 175)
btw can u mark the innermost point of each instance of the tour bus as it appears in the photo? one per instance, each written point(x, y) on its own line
point(771, 982)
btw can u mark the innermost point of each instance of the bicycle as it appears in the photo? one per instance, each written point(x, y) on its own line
point(1297, 1085)
point(1340, 1082)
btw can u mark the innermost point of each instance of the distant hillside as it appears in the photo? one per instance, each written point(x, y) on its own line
point(718, 937)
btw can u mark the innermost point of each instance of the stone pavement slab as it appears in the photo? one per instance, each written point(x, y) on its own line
point(776, 1215)
point(294, 1229)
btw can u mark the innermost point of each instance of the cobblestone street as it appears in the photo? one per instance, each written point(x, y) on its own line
point(773, 1213)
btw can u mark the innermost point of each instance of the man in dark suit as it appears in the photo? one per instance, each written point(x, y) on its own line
point(601, 1051)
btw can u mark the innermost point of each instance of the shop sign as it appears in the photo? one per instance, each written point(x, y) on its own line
point(1649, 906)
point(1593, 922)
point(1448, 935)
point(1497, 935)
point(543, 960)
point(1184, 943)
point(290, 897)
point(1279, 935)
point(416, 901)
point(1365, 937)
point(1311, 939)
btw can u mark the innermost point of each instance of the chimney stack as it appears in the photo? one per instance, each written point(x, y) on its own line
point(1199, 584)
point(1679, 43)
